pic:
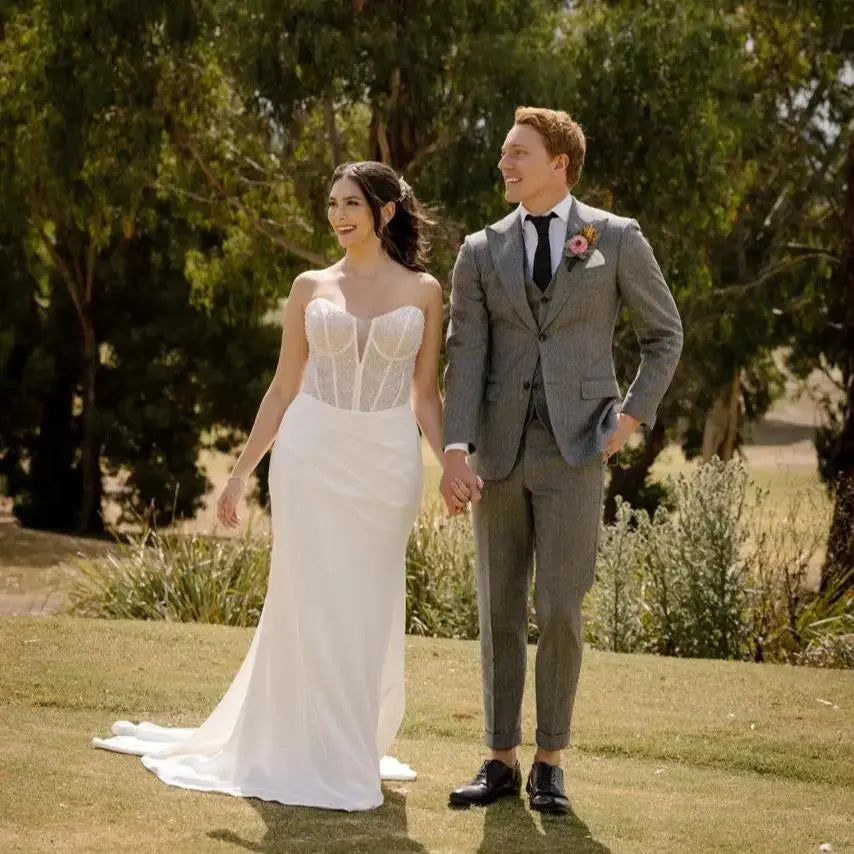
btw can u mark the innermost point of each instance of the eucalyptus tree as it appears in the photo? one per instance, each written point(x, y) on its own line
point(115, 364)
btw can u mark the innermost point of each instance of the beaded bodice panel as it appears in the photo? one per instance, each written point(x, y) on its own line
point(362, 364)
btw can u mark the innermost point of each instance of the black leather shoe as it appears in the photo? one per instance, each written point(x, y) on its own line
point(494, 780)
point(545, 789)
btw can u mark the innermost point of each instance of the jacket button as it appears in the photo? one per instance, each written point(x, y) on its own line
point(544, 300)
point(526, 385)
point(543, 336)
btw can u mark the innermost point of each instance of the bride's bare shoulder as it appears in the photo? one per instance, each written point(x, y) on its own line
point(429, 289)
point(310, 283)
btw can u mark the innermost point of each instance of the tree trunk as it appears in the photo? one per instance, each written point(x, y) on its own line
point(396, 136)
point(627, 481)
point(49, 495)
point(838, 569)
point(89, 519)
point(720, 432)
point(335, 149)
point(378, 141)
point(76, 265)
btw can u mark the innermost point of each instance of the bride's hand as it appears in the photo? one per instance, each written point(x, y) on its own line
point(226, 505)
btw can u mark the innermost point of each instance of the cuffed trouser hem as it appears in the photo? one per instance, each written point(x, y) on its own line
point(503, 740)
point(552, 741)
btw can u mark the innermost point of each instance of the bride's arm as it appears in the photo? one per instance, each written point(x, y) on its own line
point(426, 400)
point(285, 386)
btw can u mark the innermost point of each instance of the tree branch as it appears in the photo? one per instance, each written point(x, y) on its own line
point(90, 270)
point(62, 268)
point(769, 273)
point(269, 228)
point(332, 131)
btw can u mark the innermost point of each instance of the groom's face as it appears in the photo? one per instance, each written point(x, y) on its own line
point(527, 167)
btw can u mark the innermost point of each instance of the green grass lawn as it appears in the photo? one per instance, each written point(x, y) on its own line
point(669, 755)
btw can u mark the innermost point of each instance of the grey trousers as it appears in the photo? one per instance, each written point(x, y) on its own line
point(551, 510)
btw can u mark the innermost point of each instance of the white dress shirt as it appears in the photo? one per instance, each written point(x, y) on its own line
point(557, 233)
point(557, 236)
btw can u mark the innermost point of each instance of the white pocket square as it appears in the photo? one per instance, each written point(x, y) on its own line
point(597, 259)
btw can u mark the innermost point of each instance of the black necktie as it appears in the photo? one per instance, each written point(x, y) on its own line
point(543, 255)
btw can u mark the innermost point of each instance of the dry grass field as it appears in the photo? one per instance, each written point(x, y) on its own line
point(673, 756)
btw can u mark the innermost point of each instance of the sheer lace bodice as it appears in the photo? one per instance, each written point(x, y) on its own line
point(361, 364)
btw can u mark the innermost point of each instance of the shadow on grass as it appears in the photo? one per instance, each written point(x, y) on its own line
point(300, 830)
point(509, 826)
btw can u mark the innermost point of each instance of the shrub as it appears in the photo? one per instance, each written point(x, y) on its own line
point(826, 627)
point(696, 566)
point(441, 590)
point(719, 577)
point(614, 606)
point(830, 649)
point(784, 548)
point(716, 577)
point(676, 584)
point(209, 579)
point(155, 576)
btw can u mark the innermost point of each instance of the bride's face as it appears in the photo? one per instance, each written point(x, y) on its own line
point(350, 214)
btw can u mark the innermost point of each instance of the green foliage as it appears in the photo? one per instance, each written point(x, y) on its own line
point(826, 625)
point(614, 618)
point(157, 576)
point(771, 271)
point(722, 128)
point(441, 592)
point(783, 604)
point(163, 177)
point(696, 567)
point(679, 583)
point(718, 577)
point(834, 648)
point(116, 357)
point(708, 580)
point(200, 578)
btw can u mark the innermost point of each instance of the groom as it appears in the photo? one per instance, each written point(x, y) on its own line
point(531, 394)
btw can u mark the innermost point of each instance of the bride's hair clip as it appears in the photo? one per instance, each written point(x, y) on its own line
point(405, 190)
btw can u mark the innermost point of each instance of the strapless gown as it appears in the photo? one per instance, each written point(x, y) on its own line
point(313, 710)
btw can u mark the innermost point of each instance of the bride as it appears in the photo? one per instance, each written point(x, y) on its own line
point(320, 694)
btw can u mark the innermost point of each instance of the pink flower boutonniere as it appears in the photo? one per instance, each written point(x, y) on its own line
point(580, 246)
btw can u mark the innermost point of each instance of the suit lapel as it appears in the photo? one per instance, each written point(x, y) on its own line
point(568, 271)
point(507, 248)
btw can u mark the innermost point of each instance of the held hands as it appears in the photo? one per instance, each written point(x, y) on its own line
point(226, 505)
point(626, 425)
point(459, 484)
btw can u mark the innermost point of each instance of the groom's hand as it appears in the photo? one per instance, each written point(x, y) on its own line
point(626, 425)
point(459, 484)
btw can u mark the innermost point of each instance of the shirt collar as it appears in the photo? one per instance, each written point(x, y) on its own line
point(561, 209)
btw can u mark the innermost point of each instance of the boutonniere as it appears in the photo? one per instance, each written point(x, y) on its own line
point(580, 246)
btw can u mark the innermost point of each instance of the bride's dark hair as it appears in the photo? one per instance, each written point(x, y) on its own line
point(403, 236)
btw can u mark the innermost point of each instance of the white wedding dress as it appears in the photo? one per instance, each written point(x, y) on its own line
point(320, 694)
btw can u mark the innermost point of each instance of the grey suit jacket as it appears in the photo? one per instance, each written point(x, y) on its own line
point(494, 340)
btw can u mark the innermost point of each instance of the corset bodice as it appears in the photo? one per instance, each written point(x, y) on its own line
point(361, 364)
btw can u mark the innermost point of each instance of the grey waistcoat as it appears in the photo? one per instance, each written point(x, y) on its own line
point(538, 301)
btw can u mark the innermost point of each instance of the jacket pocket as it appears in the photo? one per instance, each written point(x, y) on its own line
point(594, 389)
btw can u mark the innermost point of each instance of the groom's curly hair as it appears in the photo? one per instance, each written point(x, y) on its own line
point(561, 135)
